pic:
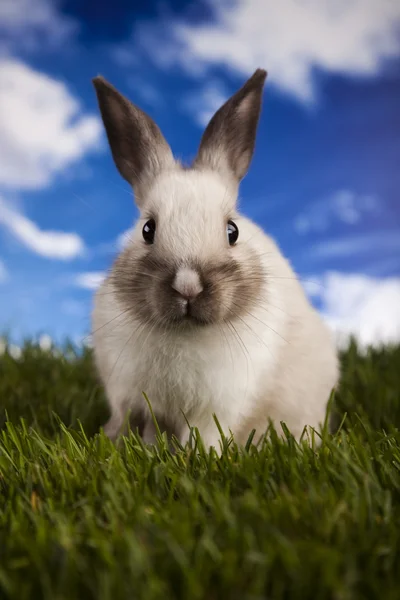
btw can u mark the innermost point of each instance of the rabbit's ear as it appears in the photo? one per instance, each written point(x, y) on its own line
point(139, 149)
point(228, 142)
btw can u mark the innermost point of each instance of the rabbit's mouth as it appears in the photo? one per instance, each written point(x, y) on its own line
point(189, 312)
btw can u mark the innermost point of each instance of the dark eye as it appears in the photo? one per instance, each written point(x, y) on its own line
point(232, 232)
point(149, 231)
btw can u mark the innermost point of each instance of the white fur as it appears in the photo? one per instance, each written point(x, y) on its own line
point(278, 362)
point(187, 283)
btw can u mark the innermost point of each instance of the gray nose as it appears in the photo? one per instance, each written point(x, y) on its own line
point(187, 283)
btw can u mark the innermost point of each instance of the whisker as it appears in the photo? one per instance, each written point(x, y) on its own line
point(243, 347)
point(259, 320)
point(141, 325)
point(247, 355)
point(108, 322)
point(227, 342)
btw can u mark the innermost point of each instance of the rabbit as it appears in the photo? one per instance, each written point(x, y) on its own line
point(200, 312)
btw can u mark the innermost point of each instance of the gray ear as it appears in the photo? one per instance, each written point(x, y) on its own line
point(138, 147)
point(228, 142)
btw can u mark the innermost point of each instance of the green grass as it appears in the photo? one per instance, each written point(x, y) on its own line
point(82, 519)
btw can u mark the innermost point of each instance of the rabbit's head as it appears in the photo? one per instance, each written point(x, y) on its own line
point(189, 261)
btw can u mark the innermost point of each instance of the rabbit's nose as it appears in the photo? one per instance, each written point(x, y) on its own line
point(187, 283)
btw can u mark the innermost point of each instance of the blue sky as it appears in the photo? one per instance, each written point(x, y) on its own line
point(324, 179)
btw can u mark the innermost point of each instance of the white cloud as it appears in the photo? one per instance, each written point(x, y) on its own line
point(205, 102)
point(91, 280)
point(50, 244)
point(289, 38)
point(312, 286)
point(376, 242)
point(366, 307)
point(29, 24)
point(3, 272)
point(42, 127)
point(344, 206)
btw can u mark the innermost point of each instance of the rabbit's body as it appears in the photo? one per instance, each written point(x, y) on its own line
point(249, 348)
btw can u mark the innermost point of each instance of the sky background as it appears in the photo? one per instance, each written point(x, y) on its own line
point(324, 181)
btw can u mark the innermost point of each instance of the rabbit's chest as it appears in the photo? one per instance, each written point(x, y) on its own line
point(193, 381)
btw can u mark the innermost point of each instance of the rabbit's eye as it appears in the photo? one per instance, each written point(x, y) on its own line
point(232, 232)
point(149, 231)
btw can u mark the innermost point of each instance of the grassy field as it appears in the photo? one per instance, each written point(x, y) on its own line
point(83, 519)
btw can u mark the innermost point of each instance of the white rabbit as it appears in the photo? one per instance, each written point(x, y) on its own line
point(201, 311)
